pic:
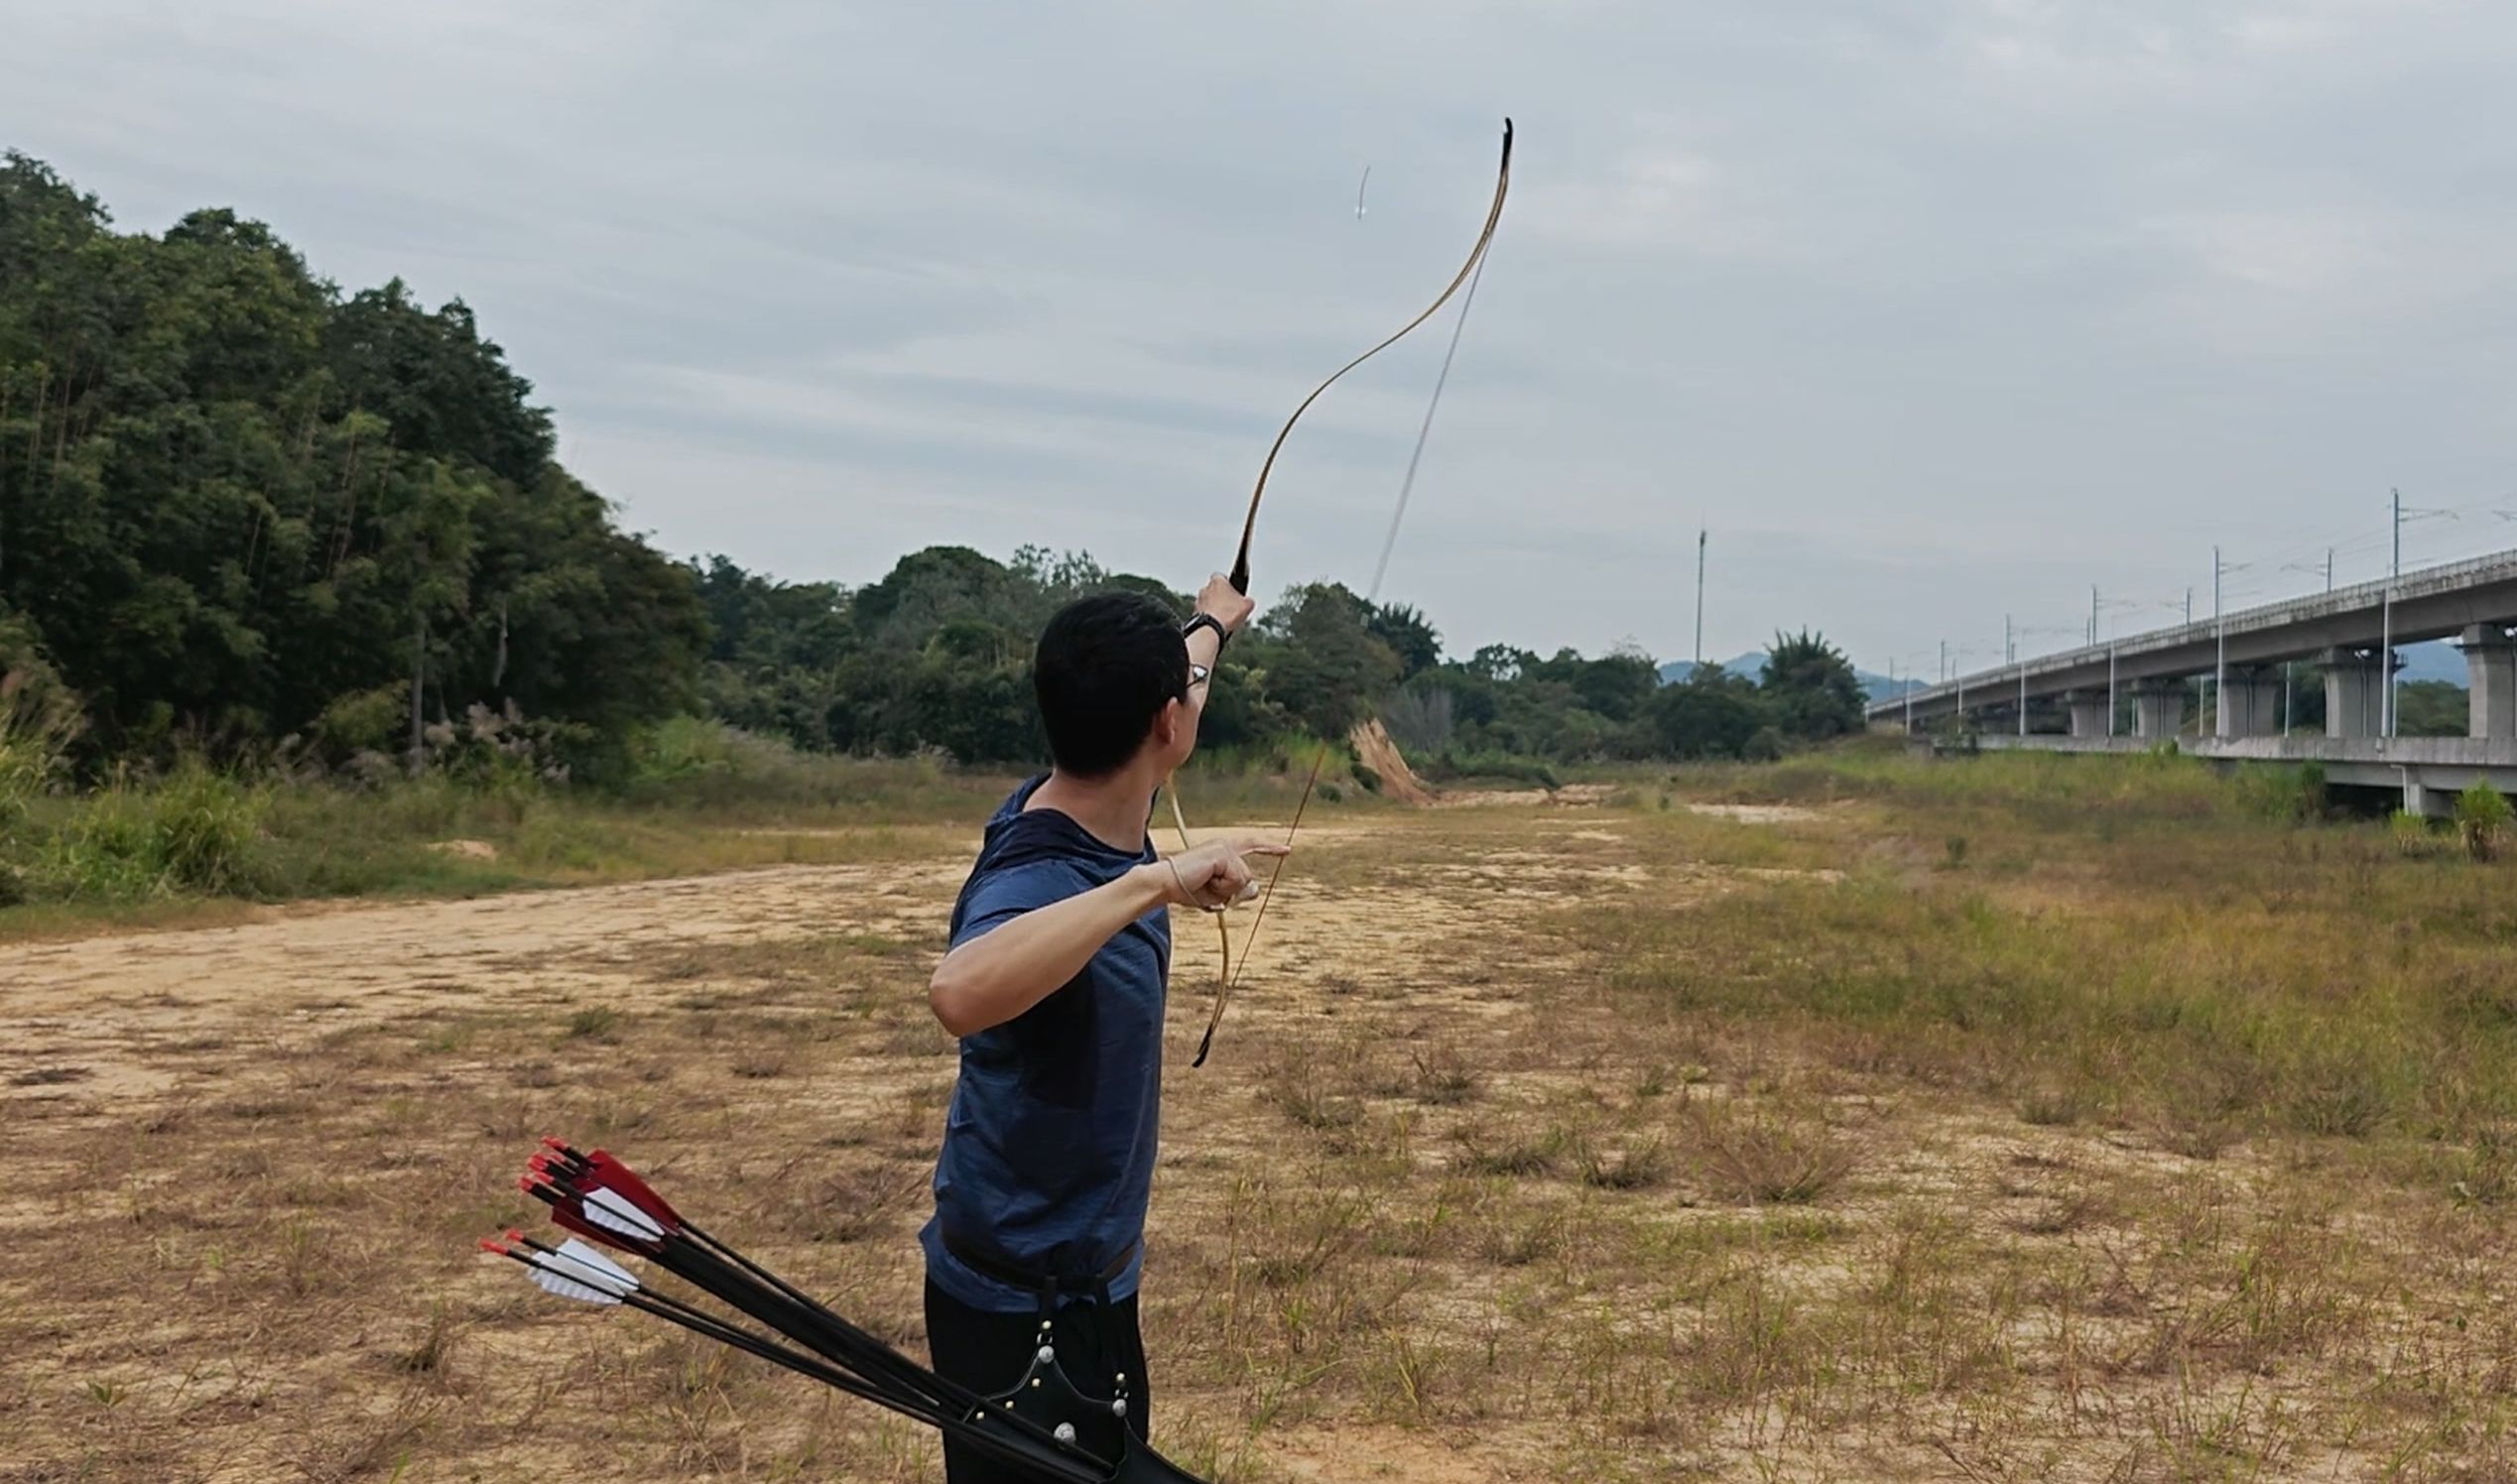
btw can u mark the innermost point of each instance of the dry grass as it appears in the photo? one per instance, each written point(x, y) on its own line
point(2136, 1140)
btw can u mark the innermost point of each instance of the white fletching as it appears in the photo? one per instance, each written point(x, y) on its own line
point(569, 1287)
point(586, 1254)
point(612, 1213)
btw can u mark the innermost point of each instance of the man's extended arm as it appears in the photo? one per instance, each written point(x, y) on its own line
point(996, 976)
point(1225, 605)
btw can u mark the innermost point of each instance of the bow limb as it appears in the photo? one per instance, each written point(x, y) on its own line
point(1470, 273)
point(1240, 573)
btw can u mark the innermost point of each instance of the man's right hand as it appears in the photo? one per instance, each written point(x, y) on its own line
point(1215, 875)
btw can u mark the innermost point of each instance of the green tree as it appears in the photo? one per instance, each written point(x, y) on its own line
point(2432, 708)
point(1812, 687)
point(1324, 665)
point(774, 651)
point(230, 500)
point(1409, 636)
point(1711, 714)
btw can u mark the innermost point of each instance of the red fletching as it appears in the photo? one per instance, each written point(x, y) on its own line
point(614, 1175)
point(492, 1244)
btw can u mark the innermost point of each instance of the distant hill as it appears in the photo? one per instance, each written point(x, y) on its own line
point(2438, 659)
point(1752, 665)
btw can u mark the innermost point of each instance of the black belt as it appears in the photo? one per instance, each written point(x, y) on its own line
point(1032, 1279)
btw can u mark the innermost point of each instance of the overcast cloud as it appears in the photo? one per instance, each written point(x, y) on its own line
point(1932, 309)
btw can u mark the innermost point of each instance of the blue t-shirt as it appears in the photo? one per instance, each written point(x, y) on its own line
point(1049, 1143)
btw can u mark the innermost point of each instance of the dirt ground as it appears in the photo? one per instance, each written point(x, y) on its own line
point(1438, 1210)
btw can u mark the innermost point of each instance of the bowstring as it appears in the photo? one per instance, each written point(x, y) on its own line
point(1223, 932)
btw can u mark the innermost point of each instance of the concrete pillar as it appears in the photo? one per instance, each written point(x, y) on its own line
point(2250, 701)
point(2354, 693)
point(2088, 712)
point(2157, 708)
point(2490, 667)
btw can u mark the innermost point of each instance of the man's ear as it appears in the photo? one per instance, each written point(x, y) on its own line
point(1167, 721)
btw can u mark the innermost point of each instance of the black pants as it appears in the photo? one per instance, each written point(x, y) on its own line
point(988, 1353)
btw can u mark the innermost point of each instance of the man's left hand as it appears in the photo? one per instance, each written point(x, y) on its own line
point(1226, 606)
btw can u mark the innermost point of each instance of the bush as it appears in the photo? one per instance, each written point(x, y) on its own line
point(1764, 746)
point(37, 719)
point(196, 830)
point(2283, 795)
point(367, 721)
point(202, 828)
point(1460, 766)
point(24, 768)
point(2481, 818)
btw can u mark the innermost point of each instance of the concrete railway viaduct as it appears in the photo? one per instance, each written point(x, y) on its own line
point(2133, 693)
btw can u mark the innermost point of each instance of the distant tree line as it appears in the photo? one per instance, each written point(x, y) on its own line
point(937, 655)
point(244, 511)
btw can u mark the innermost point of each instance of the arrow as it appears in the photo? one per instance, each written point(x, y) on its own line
point(602, 1202)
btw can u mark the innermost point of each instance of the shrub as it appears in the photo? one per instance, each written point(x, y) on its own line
point(1463, 766)
point(203, 828)
point(24, 768)
point(37, 719)
point(196, 830)
point(2481, 818)
point(365, 721)
point(2283, 795)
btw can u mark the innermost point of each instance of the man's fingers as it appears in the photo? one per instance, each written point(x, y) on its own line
point(1262, 847)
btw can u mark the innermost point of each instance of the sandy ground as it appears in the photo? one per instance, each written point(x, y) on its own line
point(105, 1039)
point(1437, 1211)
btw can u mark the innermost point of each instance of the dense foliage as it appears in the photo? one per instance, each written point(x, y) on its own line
point(238, 505)
point(246, 514)
point(937, 654)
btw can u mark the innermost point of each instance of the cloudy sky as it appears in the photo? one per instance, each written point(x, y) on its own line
point(1931, 311)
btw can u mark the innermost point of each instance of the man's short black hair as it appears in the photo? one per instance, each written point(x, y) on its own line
point(1105, 667)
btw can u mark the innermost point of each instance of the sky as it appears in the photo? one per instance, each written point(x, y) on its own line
point(1932, 313)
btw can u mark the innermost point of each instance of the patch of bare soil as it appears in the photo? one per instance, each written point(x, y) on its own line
point(1571, 795)
point(1756, 813)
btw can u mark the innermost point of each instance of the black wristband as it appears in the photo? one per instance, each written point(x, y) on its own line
point(1223, 636)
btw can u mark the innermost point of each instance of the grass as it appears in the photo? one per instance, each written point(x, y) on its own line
point(2154, 1135)
point(195, 846)
point(2185, 962)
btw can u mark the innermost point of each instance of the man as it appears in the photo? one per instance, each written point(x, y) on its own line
point(1054, 983)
